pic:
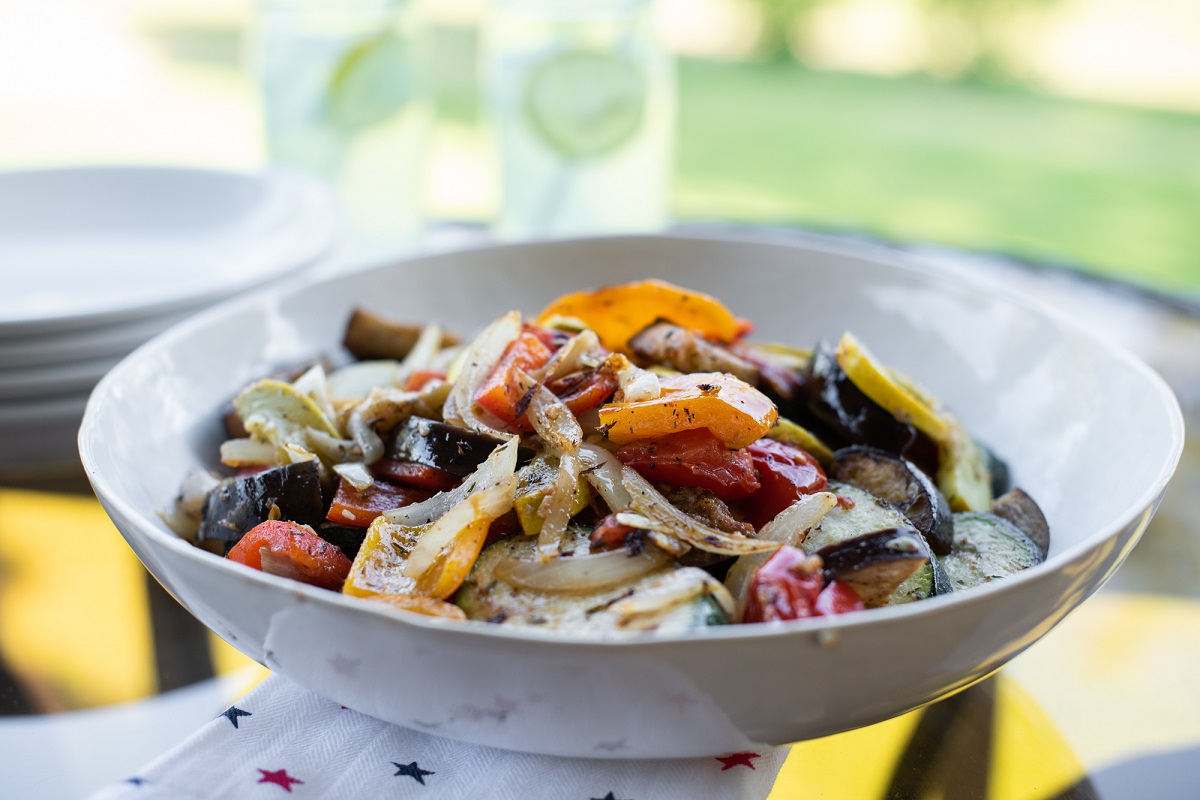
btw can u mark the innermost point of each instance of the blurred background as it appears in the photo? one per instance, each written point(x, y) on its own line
point(1054, 130)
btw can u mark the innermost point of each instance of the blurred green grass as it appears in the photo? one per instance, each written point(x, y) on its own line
point(1111, 189)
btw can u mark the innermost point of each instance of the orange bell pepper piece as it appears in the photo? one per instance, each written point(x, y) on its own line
point(733, 410)
point(616, 313)
point(421, 605)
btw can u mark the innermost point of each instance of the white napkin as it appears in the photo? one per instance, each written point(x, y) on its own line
point(283, 741)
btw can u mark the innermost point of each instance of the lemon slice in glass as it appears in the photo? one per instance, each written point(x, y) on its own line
point(373, 80)
point(585, 104)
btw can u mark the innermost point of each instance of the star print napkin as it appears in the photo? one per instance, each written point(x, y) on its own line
point(281, 741)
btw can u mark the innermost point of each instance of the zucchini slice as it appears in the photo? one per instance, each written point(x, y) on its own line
point(928, 581)
point(859, 512)
point(486, 597)
point(987, 548)
point(901, 483)
point(856, 513)
point(963, 474)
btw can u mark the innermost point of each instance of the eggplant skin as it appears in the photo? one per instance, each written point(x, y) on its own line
point(875, 564)
point(997, 468)
point(371, 336)
point(237, 505)
point(346, 538)
point(437, 444)
point(1020, 509)
point(901, 483)
point(853, 418)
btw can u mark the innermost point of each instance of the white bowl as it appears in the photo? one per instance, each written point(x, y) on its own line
point(1091, 432)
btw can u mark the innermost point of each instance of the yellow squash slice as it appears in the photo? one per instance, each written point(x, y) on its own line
point(877, 382)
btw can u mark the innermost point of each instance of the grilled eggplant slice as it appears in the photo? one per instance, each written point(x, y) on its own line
point(987, 548)
point(238, 504)
point(849, 415)
point(901, 483)
point(1020, 509)
point(370, 336)
point(876, 564)
point(447, 447)
point(347, 538)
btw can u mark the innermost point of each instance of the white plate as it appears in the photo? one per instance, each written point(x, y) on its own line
point(39, 434)
point(43, 446)
point(29, 383)
point(22, 416)
point(1052, 399)
point(115, 340)
point(89, 246)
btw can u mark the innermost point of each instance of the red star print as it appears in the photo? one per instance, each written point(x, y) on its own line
point(278, 777)
point(737, 760)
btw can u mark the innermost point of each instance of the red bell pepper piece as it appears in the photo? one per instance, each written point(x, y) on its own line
point(610, 534)
point(503, 525)
point(693, 458)
point(308, 558)
point(417, 380)
point(419, 475)
point(583, 391)
point(580, 392)
point(360, 507)
point(786, 473)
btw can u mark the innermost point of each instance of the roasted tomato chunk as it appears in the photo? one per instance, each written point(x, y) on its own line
point(785, 587)
point(693, 458)
point(292, 551)
point(786, 474)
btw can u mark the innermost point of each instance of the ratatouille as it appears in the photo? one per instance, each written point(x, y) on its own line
point(626, 460)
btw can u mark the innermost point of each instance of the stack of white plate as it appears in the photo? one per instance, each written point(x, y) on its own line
point(95, 261)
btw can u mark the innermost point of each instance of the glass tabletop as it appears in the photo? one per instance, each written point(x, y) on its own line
point(101, 670)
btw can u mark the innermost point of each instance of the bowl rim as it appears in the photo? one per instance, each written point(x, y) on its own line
point(315, 241)
point(148, 524)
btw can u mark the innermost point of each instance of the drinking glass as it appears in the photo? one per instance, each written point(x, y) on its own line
point(344, 99)
point(582, 104)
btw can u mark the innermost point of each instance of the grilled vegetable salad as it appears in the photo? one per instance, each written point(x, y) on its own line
point(627, 460)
